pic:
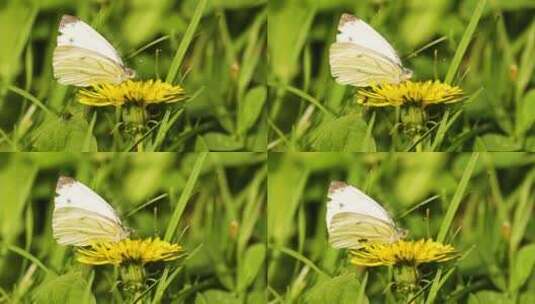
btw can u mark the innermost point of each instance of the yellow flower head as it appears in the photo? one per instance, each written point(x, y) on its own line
point(130, 91)
point(402, 252)
point(408, 92)
point(129, 251)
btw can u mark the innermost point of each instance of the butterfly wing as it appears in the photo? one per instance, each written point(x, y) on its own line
point(81, 216)
point(362, 57)
point(354, 30)
point(81, 49)
point(351, 230)
point(353, 217)
point(359, 66)
point(76, 33)
point(78, 227)
point(82, 67)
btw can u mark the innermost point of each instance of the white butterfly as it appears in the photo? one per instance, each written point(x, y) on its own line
point(83, 57)
point(354, 218)
point(362, 57)
point(81, 216)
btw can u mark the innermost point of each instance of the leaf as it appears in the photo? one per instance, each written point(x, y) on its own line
point(187, 6)
point(348, 133)
point(67, 288)
point(342, 289)
point(16, 21)
point(148, 167)
point(283, 200)
point(216, 296)
point(257, 141)
point(524, 262)
point(148, 13)
point(488, 297)
point(496, 142)
point(529, 145)
point(256, 296)
point(527, 298)
point(222, 142)
point(428, 17)
point(16, 179)
point(288, 27)
point(422, 172)
point(527, 114)
point(235, 4)
point(251, 265)
point(68, 132)
point(251, 108)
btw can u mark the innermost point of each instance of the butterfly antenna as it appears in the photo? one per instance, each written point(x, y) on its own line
point(425, 202)
point(425, 47)
point(157, 63)
point(183, 232)
point(155, 221)
point(142, 206)
point(186, 73)
point(148, 45)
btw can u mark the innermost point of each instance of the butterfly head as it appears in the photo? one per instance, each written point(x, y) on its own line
point(406, 74)
point(401, 233)
point(127, 232)
point(130, 73)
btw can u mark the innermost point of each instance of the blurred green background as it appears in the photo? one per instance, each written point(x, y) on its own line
point(222, 228)
point(493, 226)
point(222, 72)
point(496, 72)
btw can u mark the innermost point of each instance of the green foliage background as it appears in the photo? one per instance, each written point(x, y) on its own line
point(217, 58)
point(485, 47)
point(222, 226)
point(481, 204)
point(257, 78)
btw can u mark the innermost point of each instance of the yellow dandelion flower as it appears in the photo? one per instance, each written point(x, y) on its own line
point(416, 93)
point(129, 251)
point(130, 91)
point(403, 252)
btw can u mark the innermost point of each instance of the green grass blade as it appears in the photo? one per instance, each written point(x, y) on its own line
point(148, 45)
point(167, 122)
point(448, 219)
point(296, 255)
point(362, 290)
point(31, 98)
point(465, 40)
point(164, 282)
point(457, 198)
point(310, 99)
point(175, 218)
point(438, 282)
point(89, 134)
point(184, 196)
point(522, 214)
point(29, 256)
point(185, 42)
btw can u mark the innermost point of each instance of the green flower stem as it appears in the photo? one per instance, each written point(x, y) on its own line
point(407, 282)
point(413, 121)
point(133, 278)
point(135, 117)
